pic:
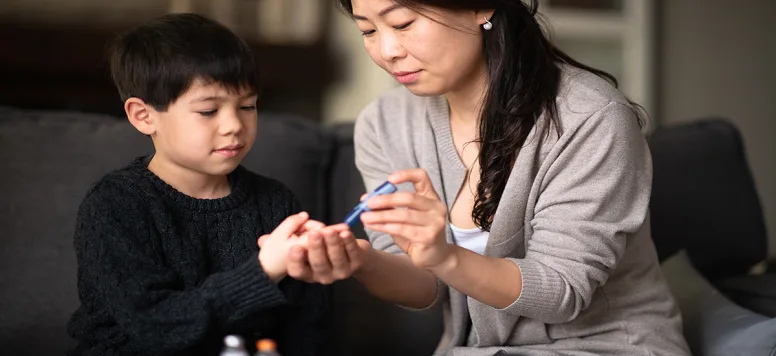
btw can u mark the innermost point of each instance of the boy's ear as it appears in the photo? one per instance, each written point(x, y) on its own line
point(140, 115)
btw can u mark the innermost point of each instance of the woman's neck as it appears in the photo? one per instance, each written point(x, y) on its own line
point(466, 101)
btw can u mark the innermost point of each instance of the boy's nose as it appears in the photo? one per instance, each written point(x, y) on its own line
point(231, 124)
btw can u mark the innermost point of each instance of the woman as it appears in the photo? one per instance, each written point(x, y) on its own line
point(526, 182)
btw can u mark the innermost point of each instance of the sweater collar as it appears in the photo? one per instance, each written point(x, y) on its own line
point(237, 182)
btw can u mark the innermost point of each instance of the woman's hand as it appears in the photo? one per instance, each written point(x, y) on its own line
point(416, 221)
point(332, 253)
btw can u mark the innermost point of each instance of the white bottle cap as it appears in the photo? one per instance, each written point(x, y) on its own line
point(233, 341)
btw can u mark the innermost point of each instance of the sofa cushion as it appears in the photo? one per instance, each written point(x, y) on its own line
point(48, 160)
point(754, 292)
point(713, 325)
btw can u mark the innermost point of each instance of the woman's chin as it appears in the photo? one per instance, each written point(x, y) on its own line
point(423, 90)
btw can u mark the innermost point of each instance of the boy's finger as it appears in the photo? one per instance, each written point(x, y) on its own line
point(291, 224)
point(339, 227)
point(262, 240)
point(311, 225)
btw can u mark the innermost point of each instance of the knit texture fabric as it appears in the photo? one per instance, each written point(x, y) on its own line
point(162, 273)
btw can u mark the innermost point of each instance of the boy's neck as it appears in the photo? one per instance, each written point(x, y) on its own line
point(189, 182)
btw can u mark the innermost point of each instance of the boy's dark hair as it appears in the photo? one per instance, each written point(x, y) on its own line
point(158, 61)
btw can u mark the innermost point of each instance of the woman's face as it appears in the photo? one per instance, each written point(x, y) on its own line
point(432, 53)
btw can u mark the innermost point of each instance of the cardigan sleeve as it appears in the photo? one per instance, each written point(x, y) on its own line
point(594, 195)
point(375, 168)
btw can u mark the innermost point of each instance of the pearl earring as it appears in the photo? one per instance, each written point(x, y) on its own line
point(487, 25)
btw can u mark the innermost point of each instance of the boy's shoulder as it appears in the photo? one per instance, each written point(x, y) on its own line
point(122, 187)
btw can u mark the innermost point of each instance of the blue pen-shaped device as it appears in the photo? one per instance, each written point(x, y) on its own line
point(353, 216)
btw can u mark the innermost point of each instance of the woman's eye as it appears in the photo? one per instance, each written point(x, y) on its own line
point(402, 27)
point(367, 32)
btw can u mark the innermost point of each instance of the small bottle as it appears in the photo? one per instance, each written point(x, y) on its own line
point(266, 347)
point(234, 346)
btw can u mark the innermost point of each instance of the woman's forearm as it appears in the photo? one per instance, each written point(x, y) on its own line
point(494, 281)
point(395, 279)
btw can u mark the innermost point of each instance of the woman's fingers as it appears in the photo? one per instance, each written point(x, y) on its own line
point(403, 199)
point(355, 248)
point(298, 267)
point(419, 179)
point(318, 258)
point(403, 216)
point(338, 257)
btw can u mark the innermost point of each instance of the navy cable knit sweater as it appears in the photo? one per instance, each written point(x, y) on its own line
point(162, 273)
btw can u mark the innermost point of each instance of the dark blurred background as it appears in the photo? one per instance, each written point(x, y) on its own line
point(681, 59)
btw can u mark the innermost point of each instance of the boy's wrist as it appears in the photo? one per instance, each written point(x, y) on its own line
point(274, 274)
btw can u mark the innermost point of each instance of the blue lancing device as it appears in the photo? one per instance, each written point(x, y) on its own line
point(353, 216)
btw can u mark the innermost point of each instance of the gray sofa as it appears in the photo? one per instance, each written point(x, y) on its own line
point(49, 159)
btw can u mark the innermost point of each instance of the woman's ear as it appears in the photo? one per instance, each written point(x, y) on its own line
point(484, 16)
point(140, 115)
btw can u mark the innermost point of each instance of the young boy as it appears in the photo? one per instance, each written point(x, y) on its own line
point(167, 246)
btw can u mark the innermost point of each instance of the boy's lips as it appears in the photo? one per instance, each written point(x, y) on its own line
point(230, 151)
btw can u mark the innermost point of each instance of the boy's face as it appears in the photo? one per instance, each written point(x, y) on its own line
point(208, 129)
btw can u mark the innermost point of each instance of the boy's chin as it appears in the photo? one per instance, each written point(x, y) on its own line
point(221, 169)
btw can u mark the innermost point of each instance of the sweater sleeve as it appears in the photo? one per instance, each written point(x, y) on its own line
point(594, 195)
point(121, 268)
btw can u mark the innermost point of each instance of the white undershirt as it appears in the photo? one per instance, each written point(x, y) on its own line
point(471, 239)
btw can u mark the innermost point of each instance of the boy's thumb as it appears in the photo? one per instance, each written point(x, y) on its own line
point(291, 224)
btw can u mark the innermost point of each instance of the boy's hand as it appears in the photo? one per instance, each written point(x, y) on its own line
point(274, 248)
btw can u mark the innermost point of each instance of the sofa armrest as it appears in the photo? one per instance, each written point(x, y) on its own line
point(713, 325)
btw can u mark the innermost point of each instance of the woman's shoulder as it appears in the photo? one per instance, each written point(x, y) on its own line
point(583, 91)
point(584, 96)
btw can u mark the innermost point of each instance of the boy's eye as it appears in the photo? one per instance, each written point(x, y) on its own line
point(248, 108)
point(209, 113)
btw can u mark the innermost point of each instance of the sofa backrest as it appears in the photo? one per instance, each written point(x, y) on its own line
point(49, 160)
point(704, 198)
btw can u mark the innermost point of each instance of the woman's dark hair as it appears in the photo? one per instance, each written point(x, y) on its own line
point(524, 79)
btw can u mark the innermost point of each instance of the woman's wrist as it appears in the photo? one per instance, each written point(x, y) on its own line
point(367, 265)
point(448, 264)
